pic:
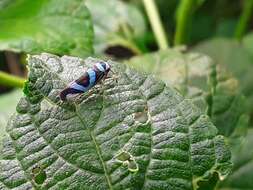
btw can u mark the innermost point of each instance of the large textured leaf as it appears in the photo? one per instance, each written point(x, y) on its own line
point(242, 175)
point(115, 23)
point(235, 57)
point(56, 26)
point(131, 133)
point(213, 89)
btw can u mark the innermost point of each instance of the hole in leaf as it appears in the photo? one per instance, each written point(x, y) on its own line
point(132, 166)
point(123, 156)
point(127, 160)
point(208, 184)
point(142, 117)
point(39, 175)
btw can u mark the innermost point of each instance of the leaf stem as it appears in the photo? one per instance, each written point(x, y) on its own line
point(11, 80)
point(126, 31)
point(244, 19)
point(184, 14)
point(156, 24)
point(128, 40)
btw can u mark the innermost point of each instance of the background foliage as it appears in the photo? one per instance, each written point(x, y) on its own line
point(201, 48)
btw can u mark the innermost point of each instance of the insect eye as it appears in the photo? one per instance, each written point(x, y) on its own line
point(103, 65)
point(107, 66)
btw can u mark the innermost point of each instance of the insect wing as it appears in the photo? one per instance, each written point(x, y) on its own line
point(76, 87)
point(84, 80)
point(99, 76)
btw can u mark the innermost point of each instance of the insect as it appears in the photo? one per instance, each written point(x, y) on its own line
point(88, 80)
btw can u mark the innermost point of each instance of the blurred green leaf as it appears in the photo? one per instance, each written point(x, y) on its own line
point(226, 28)
point(202, 27)
point(195, 76)
point(56, 26)
point(247, 42)
point(78, 143)
point(242, 175)
point(200, 2)
point(116, 23)
point(8, 104)
point(234, 57)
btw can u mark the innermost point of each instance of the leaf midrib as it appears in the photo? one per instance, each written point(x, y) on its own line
point(98, 151)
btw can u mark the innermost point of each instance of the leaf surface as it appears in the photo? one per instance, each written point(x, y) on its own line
point(236, 58)
point(242, 175)
point(79, 144)
point(56, 26)
point(194, 75)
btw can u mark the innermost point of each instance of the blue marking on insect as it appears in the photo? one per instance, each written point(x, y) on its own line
point(92, 75)
point(100, 67)
point(78, 87)
point(88, 80)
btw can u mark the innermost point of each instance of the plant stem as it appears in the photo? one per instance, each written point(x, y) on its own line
point(244, 19)
point(184, 15)
point(11, 80)
point(156, 23)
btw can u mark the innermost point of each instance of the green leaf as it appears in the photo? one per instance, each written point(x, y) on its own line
point(194, 75)
point(235, 57)
point(56, 26)
point(226, 28)
point(201, 28)
point(127, 159)
point(39, 175)
point(8, 104)
point(247, 42)
point(199, 2)
point(242, 175)
point(116, 23)
point(77, 141)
